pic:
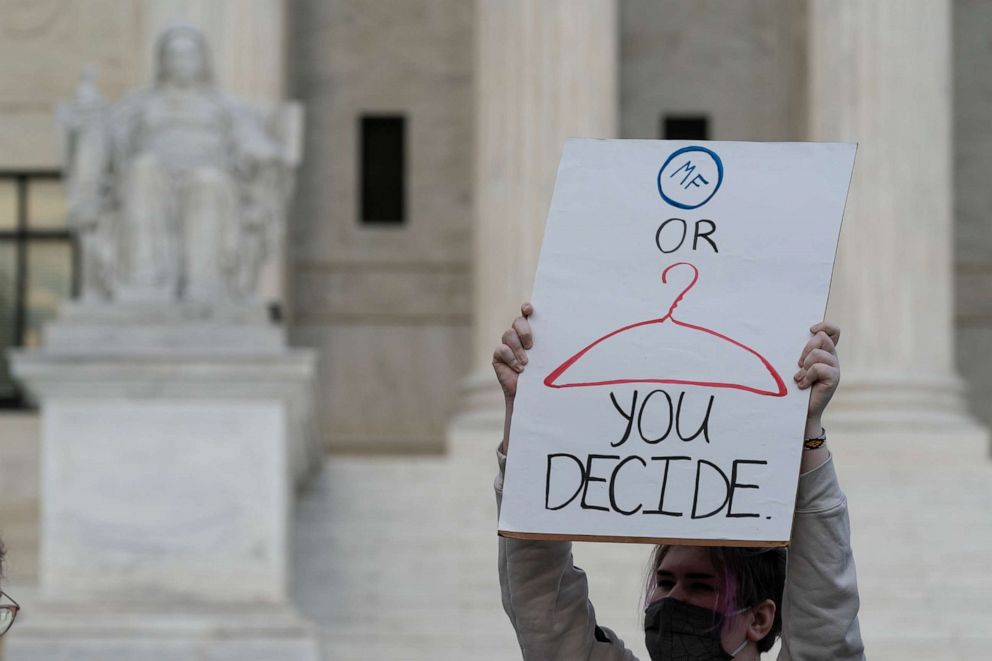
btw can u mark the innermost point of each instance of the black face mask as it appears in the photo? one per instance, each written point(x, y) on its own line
point(677, 631)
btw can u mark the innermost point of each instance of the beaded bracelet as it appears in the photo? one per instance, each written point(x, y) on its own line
point(816, 441)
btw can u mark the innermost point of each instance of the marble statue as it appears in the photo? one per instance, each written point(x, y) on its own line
point(178, 192)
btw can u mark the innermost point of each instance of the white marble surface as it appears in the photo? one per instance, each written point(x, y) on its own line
point(164, 499)
point(524, 113)
point(178, 353)
point(134, 328)
point(169, 462)
point(107, 631)
point(880, 75)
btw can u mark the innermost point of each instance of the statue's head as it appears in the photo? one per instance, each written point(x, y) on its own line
point(183, 57)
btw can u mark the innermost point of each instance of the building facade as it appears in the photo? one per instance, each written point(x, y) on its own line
point(433, 128)
point(387, 294)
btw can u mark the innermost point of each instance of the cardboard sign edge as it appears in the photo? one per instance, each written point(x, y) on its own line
point(672, 541)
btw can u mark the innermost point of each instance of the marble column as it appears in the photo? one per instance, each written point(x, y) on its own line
point(879, 75)
point(544, 71)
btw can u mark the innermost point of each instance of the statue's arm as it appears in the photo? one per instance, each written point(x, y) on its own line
point(270, 135)
point(84, 146)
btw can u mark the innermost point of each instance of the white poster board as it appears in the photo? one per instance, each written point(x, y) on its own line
point(674, 293)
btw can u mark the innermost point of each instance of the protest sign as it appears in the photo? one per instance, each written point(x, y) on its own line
point(674, 293)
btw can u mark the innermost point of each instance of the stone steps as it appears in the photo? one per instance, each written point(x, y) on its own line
point(396, 556)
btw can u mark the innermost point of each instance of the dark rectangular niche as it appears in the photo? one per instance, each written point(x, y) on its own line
point(382, 170)
point(685, 127)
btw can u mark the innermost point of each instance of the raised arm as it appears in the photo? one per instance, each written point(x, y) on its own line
point(545, 595)
point(820, 604)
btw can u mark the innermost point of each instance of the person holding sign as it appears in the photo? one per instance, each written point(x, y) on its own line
point(701, 602)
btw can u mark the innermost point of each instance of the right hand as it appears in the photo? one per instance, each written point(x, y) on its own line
point(510, 356)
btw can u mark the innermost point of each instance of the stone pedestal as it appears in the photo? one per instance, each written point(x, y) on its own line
point(187, 351)
point(102, 632)
point(172, 440)
point(545, 71)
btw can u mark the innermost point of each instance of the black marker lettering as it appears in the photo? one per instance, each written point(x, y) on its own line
point(640, 416)
point(661, 228)
point(695, 497)
point(590, 478)
point(613, 485)
point(629, 417)
point(697, 235)
point(547, 484)
point(704, 426)
point(664, 485)
point(734, 484)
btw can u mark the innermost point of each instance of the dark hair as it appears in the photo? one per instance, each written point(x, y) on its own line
point(750, 575)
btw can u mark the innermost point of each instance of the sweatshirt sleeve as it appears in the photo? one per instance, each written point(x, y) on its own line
point(820, 603)
point(546, 598)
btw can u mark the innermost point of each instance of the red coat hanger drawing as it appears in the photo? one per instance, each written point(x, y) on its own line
point(559, 378)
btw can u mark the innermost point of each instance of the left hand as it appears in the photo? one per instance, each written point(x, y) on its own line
point(819, 369)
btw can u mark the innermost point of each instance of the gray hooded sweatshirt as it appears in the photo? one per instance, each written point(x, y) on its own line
point(547, 597)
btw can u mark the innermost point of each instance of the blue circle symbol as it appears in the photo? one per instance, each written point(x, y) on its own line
point(690, 177)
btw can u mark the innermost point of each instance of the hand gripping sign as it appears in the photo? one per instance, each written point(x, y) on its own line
point(676, 284)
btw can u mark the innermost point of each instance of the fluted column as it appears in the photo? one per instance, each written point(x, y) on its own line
point(880, 75)
point(545, 71)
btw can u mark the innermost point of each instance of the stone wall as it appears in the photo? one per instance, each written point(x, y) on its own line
point(972, 58)
point(391, 307)
point(743, 64)
point(43, 46)
point(388, 306)
point(19, 456)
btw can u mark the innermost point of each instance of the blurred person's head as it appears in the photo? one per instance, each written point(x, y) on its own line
point(713, 602)
point(183, 57)
point(8, 607)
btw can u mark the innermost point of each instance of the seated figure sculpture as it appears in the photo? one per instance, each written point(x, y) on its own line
point(178, 192)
